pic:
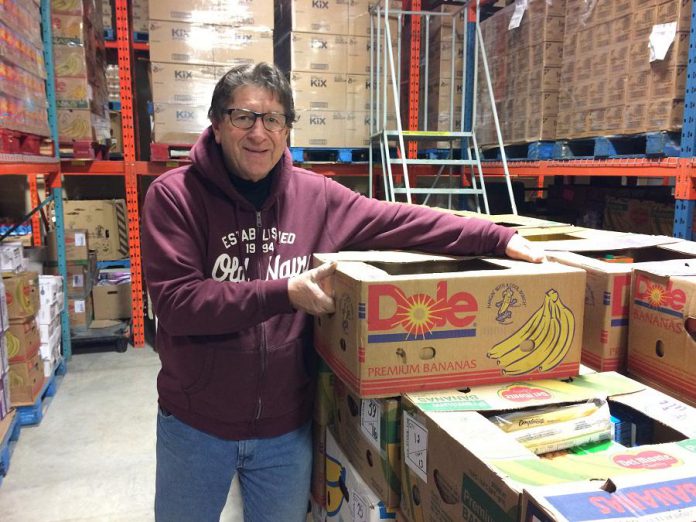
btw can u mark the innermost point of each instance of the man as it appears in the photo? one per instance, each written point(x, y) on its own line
point(227, 246)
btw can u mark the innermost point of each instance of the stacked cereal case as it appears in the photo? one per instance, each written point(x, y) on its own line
point(325, 48)
point(192, 44)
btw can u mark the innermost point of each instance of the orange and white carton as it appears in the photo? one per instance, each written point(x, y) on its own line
point(412, 322)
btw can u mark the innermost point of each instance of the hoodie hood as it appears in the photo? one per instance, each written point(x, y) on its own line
point(206, 156)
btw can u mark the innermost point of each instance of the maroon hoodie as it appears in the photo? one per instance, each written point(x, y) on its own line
point(237, 359)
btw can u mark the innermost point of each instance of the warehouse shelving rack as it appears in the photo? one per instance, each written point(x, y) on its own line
point(49, 168)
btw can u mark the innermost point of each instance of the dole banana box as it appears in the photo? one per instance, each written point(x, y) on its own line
point(412, 322)
point(458, 465)
point(348, 497)
point(21, 294)
point(609, 265)
point(661, 345)
point(23, 339)
point(368, 431)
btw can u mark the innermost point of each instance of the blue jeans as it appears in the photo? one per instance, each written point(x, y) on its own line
point(195, 471)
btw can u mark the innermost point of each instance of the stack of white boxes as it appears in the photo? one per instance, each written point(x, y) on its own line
point(51, 305)
point(4, 363)
point(325, 47)
point(192, 44)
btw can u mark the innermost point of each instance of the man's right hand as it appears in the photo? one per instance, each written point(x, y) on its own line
point(312, 291)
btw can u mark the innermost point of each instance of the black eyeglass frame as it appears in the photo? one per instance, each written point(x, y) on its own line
point(256, 115)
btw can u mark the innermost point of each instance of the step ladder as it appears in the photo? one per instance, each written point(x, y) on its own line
point(397, 147)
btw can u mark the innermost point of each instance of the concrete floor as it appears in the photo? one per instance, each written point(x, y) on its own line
point(92, 458)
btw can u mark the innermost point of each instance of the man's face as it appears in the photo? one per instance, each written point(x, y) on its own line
point(251, 153)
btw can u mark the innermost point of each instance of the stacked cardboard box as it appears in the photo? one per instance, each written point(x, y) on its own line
point(191, 46)
point(80, 62)
point(22, 86)
point(22, 337)
point(663, 327)
point(458, 465)
point(51, 298)
point(325, 48)
point(416, 322)
point(106, 222)
point(525, 61)
point(609, 83)
point(4, 357)
point(81, 274)
point(442, 107)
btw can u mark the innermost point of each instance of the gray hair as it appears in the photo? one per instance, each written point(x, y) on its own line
point(262, 75)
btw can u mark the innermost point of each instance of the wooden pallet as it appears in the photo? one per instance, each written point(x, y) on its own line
point(328, 154)
point(9, 432)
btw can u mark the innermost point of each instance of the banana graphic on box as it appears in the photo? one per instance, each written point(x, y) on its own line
point(542, 342)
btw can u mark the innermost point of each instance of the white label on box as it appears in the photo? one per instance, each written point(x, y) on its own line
point(416, 446)
point(516, 20)
point(79, 306)
point(661, 39)
point(80, 239)
point(78, 281)
point(360, 508)
point(370, 417)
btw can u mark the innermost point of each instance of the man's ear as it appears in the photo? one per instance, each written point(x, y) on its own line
point(216, 130)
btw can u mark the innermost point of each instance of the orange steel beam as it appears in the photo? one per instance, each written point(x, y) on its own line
point(92, 167)
point(631, 167)
point(123, 43)
point(36, 218)
point(414, 74)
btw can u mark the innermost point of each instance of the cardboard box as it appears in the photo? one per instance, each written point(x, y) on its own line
point(258, 13)
point(26, 379)
point(411, 322)
point(80, 312)
point(11, 257)
point(21, 294)
point(348, 496)
point(184, 84)
point(22, 340)
point(76, 244)
point(326, 16)
point(81, 275)
point(329, 53)
point(458, 465)
point(369, 431)
point(179, 124)
point(660, 345)
point(207, 44)
point(112, 301)
point(106, 221)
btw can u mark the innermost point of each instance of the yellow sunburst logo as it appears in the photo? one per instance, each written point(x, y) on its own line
point(656, 295)
point(419, 314)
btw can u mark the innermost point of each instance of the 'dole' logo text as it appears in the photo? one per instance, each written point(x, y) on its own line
point(390, 307)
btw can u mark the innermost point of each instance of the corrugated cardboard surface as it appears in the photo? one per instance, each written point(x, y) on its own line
point(411, 321)
point(106, 222)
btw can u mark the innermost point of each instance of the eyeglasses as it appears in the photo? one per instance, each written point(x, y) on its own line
point(245, 119)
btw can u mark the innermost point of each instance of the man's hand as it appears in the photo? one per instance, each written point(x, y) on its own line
point(312, 291)
point(521, 248)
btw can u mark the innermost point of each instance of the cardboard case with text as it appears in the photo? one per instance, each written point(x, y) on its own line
point(458, 465)
point(661, 345)
point(411, 322)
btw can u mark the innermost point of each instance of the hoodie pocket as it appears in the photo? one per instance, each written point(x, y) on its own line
point(205, 374)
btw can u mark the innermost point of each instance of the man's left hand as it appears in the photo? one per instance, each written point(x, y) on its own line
point(520, 248)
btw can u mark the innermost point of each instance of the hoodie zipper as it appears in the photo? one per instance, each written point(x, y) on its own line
point(262, 347)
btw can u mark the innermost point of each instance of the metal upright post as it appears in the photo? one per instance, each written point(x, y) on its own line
point(57, 191)
point(685, 192)
point(123, 39)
